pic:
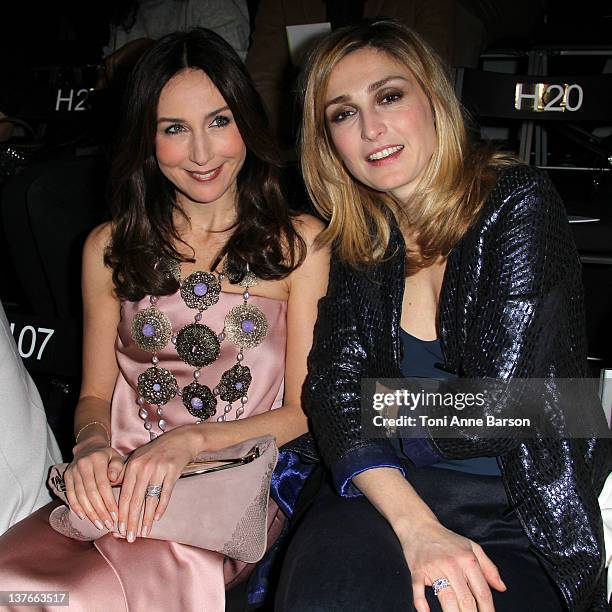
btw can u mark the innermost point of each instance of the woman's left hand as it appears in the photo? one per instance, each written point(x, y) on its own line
point(158, 463)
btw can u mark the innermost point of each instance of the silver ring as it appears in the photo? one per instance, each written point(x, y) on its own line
point(153, 491)
point(439, 584)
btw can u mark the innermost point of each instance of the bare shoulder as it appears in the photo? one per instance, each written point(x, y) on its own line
point(96, 273)
point(308, 227)
point(98, 240)
point(312, 274)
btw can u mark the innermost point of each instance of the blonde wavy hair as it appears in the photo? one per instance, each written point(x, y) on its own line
point(455, 183)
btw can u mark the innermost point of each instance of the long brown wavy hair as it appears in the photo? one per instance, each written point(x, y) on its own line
point(455, 183)
point(143, 200)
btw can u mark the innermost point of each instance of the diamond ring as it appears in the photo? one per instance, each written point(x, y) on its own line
point(153, 491)
point(439, 584)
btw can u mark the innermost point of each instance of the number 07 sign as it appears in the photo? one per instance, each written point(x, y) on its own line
point(47, 345)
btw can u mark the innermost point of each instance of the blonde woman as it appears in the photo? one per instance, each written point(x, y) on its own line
point(451, 261)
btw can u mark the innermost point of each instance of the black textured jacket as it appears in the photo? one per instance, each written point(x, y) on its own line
point(510, 306)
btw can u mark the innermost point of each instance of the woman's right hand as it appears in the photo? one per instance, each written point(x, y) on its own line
point(88, 482)
point(434, 552)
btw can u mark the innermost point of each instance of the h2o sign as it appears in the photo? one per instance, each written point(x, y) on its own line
point(71, 99)
point(548, 97)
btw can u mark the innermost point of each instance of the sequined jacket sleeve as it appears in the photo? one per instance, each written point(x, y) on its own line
point(341, 356)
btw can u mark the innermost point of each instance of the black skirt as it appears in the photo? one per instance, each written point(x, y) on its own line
point(343, 555)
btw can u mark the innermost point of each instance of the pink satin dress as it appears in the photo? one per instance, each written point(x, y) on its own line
point(151, 575)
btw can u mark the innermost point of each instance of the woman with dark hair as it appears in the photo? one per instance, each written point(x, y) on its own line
point(452, 262)
point(199, 303)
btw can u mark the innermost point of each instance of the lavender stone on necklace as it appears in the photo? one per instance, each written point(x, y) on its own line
point(200, 289)
point(199, 401)
point(157, 385)
point(148, 331)
point(245, 325)
point(234, 383)
point(151, 329)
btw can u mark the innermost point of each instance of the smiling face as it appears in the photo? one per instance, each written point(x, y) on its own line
point(380, 121)
point(197, 143)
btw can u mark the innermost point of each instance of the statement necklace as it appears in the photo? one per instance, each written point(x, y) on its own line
point(198, 345)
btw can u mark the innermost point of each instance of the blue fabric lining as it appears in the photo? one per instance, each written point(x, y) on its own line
point(288, 478)
point(359, 460)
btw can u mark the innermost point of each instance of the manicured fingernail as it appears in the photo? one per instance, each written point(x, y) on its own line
point(144, 531)
point(122, 528)
point(130, 536)
point(98, 524)
point(81, 515)
point(109, 525)
point(114, 515)
point(113, 475)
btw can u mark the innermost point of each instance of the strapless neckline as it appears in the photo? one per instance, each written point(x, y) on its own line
point(230, 293)
point(254, 295)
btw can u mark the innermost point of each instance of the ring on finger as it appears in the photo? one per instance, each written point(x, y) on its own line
point(153, 491)
point(439, 584)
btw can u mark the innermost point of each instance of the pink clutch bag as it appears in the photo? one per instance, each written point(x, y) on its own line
point(219, 503)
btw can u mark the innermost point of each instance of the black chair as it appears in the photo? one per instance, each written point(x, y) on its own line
point(527, 101)
point(570, 106)
point(47, 211)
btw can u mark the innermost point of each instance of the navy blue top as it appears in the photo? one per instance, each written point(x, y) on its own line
point(419, 359)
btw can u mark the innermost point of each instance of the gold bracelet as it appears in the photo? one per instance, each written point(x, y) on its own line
point(102, 425)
